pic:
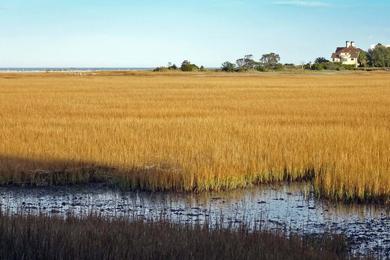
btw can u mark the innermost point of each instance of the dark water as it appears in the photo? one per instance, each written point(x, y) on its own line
point(290, 208)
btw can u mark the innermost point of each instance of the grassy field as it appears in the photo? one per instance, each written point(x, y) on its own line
point(29, 237)
point(198, 132)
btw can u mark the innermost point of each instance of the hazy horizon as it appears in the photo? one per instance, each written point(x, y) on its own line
point(152, 33)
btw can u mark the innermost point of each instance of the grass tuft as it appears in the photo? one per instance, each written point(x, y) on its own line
point(199, 132)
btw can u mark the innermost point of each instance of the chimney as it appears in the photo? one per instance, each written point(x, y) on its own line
point(347, 44)
point(353, 44)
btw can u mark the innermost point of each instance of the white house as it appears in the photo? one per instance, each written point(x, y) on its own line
point(347, 55)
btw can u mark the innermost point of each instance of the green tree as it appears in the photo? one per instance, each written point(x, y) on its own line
point(270, 60)
point(379, 56)
point(228, 66)
point(246, 63)
point(363, 59)
point(321, 60)
point(306, 66)
point(188, 66)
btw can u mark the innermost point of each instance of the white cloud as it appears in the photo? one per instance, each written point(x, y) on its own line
point(303, 3)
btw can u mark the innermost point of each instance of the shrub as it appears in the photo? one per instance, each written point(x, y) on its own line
point(159, 69)
point(228, 66)
point(188, 66)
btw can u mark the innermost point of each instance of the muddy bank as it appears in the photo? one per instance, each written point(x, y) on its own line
point(292, 208)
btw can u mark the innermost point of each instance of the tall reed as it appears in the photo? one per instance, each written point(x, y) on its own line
point(40, 237)
point(198, 132)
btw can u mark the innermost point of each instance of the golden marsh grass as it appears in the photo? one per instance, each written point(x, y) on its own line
point(202, 131)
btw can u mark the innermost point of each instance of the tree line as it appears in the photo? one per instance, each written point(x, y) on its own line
point(185, 66)
point(268, 61)
point(378, 57)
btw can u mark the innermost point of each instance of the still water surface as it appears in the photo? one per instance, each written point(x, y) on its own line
point(287, 207)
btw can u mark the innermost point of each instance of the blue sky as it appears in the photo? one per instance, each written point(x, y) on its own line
point(147, 33)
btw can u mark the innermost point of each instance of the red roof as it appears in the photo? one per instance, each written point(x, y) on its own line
point(353, 51)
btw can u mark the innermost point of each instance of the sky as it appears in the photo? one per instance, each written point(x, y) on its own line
point(149, 33)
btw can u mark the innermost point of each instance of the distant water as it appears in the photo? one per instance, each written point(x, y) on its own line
point(71, 69)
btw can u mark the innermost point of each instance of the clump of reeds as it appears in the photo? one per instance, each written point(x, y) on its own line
point(200, 132)
point(40, 237)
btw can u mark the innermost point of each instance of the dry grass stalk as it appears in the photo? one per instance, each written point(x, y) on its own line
point(203, 131)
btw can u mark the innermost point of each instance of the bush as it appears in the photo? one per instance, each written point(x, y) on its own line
point(261, 68)
point(228, 66)
point(162, 68)
point(188, 66)
point(173, 67)
point(278, 67)
point(329, 66)
point(307, 66)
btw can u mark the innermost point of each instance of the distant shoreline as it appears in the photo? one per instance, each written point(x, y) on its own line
point(151, 70)
point(75, 69)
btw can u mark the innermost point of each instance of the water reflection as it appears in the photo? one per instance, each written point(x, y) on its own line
point(288, 207)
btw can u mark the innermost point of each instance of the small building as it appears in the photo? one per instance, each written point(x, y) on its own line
point(347, 55)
